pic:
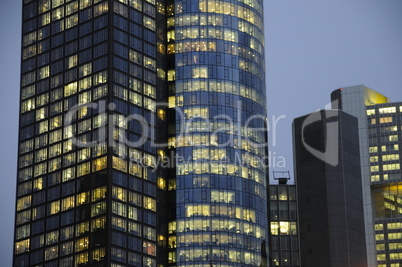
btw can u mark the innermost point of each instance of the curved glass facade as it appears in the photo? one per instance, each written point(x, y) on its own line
point(217, 85)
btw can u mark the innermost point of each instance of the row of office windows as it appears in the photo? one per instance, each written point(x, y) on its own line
point(221, 169)
point(224, 225)
point(53, 193)
point(55, 23)
point(228, 8)
point(60, 205)
point(59, 8)
point(384, 110)
point(67, 90)
point(40, 169)
point(385, 148)
point(194, 52)
point(217, 20)
point(389, 157)
point(91, 47)
point(240, 256)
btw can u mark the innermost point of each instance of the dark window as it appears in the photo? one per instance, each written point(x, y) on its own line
point(85, 28)
point(100, 22)
point(29, 25)
point(100, 50)
point(85, 56)
point(121, 23)
point(100, 64)
point(71, 48)
point(100, 36)
point(38, 227)
point(71, 34)
point(85, 15)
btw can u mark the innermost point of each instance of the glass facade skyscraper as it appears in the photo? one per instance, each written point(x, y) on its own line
point(142, 134)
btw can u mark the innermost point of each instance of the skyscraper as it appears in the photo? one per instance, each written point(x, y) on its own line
point(384, 132)
point(353, 100)
point(379, 147)
point(329, 195)
point(142, 134)
point(380, 141)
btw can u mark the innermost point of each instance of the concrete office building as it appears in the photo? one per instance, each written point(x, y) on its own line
point(380, 138)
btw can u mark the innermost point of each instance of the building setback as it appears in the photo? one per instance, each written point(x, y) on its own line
point(329, 196)
point(142, 134)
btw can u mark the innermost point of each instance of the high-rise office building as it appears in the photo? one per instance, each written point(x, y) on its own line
point(142, 138)
point(380, 139)
point(385, 132)
point(329, 195)
point(283, 239)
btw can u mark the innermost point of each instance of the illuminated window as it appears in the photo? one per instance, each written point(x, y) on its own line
point(82, 258)
point(162, 183)
point(171, 75)
point(390, 157)
point(98, 224)
point(51, 253)
point(149, 23)
point(149, 203)
point(390, 167)
point(54, 207)
point(83, 198)
point(71, 21)
point(55, 150)
point(68, 203)
point(70, 89)
point(119, 209)
point(99, 164)
point(100, 9)
point(68, 174)
point(375, 178)
point(387, 110)
point(98, 254)
point(149, 63)
point(98, 193)
point(370, 112)
point(52, 237)
point(85, 3)
point(200, 72)
point(24, 203)
point(57, 13)
point(385, 119)
point(43, 72)
point(27, 105)
point(84, 154)
point(119, 193)
point(98, 209)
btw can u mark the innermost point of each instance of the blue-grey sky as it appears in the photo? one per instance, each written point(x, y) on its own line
point(312, 48)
